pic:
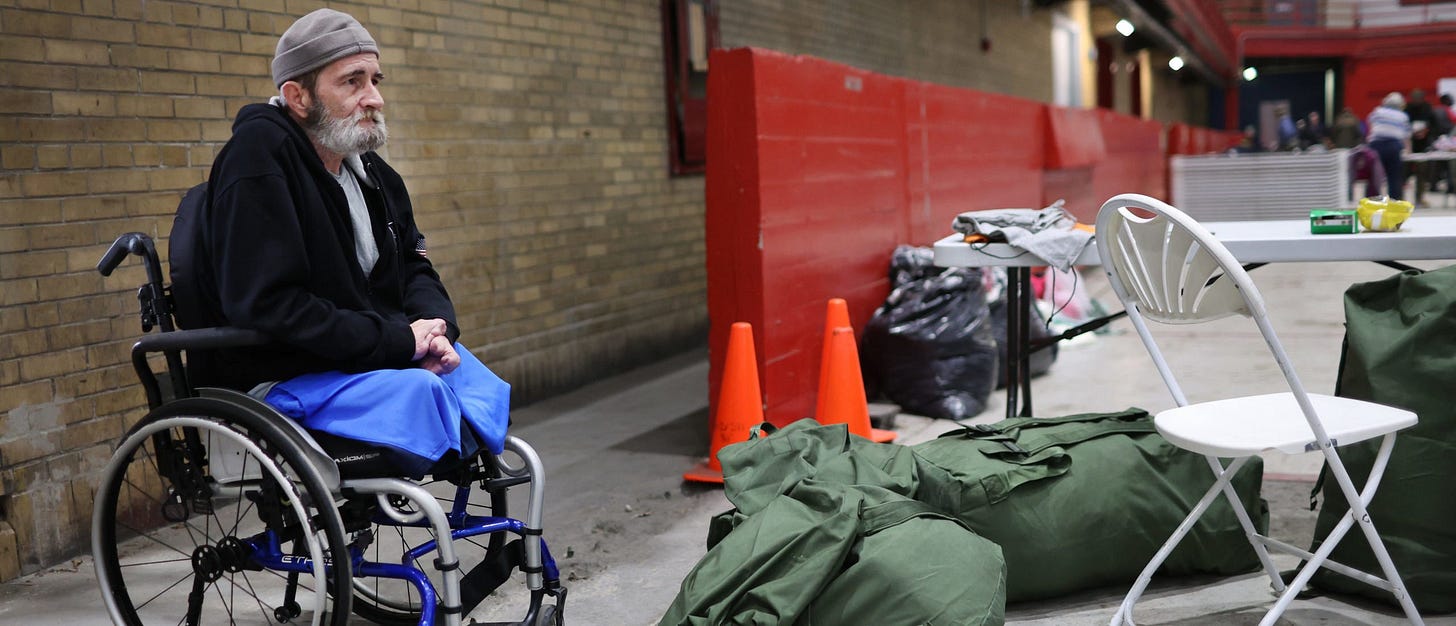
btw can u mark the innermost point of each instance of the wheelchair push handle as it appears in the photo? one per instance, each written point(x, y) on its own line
point(139, 244)
point(155, 303)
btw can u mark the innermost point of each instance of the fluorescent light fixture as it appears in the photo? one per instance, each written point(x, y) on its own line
point(1176, 63)
point(1250, 73)
point(1124, 27)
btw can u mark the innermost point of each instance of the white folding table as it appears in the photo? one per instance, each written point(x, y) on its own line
point(1251, 242)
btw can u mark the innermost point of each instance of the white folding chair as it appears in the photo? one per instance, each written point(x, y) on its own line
point(1167, 268)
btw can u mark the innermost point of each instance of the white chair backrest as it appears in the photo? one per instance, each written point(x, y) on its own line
point(1170, 269)
point(1176, 271)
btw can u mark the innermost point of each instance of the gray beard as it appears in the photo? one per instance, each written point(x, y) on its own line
point(345, 136)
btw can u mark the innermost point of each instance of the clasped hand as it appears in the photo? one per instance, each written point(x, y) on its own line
point(432, 348)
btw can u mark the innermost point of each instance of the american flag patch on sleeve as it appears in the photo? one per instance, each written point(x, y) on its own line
point(420, 247)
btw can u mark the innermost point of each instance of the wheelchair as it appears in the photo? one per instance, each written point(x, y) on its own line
point(215, 508)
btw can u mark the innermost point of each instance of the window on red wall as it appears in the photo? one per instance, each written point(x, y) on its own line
point(689, 31)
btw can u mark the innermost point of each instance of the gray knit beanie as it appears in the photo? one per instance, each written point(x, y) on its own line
point(316, 40)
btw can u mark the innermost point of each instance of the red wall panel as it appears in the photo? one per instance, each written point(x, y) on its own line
point(1135, 162)
point(967, 150)
point(825, 209)
point(733, 257)
point(1129, 158)
point(1073, 186)
point(1368, 80)
point(1074, 138)
point(816, 171)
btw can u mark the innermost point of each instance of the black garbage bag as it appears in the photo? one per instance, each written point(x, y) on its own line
point(929, 348)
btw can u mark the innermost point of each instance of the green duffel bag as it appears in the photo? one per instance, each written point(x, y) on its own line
point(824, 535)
point(1085, 500)
point(1400, 350)
point(914, 566)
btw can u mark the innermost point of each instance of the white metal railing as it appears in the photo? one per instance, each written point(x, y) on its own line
point(1260, 186)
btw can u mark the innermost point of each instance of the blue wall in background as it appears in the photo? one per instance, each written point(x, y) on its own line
point(1304, 89)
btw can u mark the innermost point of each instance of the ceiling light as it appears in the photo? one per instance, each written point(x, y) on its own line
point(1250, 73)
point(1176, 63)
point(1124, 27)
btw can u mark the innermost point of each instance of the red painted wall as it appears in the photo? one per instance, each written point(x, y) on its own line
point(1368, 80)
point(966, 150)
point(1376, 61)
point(1135, 162)
point(817, 170)
point(734, 257)
point(1185, 139)
point(1094, 154)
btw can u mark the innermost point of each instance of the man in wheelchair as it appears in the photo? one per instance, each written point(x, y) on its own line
point(307, 235)
point(303, 242)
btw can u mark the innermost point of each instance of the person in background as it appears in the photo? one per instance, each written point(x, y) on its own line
point(1446, 121)
point(1389, 135)
point(1445, 117)
point(1313, 133)
point(1420, 111)
point(1250, 142)
point(1288, 132)
point(1346, 131)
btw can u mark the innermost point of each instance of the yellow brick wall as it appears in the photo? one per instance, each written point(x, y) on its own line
point(532, 134)
point(937, 41)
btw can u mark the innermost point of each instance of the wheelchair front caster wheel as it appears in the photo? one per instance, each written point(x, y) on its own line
point(546, 617)
point(286, 613)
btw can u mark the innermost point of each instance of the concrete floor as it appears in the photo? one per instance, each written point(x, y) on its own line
point(626, 529)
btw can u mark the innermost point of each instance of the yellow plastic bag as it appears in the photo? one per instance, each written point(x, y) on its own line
point(1383, 214)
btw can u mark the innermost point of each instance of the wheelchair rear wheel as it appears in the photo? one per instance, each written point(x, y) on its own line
point(395, 602)
point(211, 513)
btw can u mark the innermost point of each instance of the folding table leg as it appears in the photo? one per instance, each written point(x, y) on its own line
point(1018, 338)
point(1013, 344)
point(1028, 299)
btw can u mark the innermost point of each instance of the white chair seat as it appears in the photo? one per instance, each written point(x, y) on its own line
point(1252, 424)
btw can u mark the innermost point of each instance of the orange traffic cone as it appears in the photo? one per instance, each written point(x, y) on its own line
point(740, 403)
point(842, 390)
point(836, 316)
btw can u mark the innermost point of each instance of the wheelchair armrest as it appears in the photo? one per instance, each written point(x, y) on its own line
point(173, 343)
point(200, 339)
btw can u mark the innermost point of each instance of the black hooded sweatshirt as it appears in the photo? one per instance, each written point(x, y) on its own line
point(276, 254)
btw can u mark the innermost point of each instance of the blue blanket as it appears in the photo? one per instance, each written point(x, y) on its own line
point(410, 410)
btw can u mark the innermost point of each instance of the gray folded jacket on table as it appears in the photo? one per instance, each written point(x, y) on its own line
point(1048, 233)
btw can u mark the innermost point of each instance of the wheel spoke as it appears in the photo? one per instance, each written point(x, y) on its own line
point(267, 611)
point(223, 599)
point(158, 562)
point(158, 541)
point(169, 588)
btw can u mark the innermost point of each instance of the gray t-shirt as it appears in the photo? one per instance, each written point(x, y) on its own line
point(366, 250)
